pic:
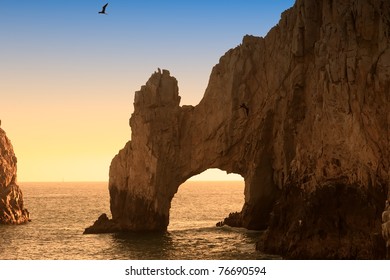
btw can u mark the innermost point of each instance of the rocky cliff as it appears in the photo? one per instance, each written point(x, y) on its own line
point(11, 198)
point(301, 114)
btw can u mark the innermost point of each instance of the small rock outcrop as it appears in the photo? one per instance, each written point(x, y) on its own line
point(103, 225)
point(302, 115)
point(11, 198)
point(233, 220)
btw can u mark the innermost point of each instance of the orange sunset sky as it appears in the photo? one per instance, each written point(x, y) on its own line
point(68, 75)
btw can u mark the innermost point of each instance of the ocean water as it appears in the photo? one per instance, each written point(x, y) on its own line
point(61, 211)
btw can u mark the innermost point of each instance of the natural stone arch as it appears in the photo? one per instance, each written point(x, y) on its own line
point(170, 144)
point(216, 175)
point(197, 190)
point(302, 114)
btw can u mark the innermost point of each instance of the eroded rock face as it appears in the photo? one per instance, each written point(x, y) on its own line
point(386, 227)
point(301, 114)
point(11, 198)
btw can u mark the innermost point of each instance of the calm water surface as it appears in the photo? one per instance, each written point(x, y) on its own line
point(61, 211)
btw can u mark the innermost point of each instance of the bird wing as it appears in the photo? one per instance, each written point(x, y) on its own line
point(104, 8)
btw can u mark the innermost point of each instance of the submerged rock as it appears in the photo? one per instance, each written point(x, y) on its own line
point(233, 220)
point(11, 198)
point(301, 114)
point(103, 225)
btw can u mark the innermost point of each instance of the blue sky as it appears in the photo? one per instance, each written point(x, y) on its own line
point(67, 72)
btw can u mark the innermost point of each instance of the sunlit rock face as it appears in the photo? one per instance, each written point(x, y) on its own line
point(302, 115)
point(11, 198)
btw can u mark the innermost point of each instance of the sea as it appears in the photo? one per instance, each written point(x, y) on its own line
point(61, 211)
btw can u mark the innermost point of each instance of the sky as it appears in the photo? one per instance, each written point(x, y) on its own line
point(68, 74)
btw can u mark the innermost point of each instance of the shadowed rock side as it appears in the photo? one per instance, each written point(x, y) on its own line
point(386, 227)
point(11, 198)
point(301, 114)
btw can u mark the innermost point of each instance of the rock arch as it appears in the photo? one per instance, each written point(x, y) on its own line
point(213, 192)
point(301, 114)
point(170, 144)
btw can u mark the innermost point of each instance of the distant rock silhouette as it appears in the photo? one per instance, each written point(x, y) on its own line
point(11, 198)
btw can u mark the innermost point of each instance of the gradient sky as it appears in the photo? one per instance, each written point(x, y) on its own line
point(68, 75)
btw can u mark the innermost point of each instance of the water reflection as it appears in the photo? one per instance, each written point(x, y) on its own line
point(143, 245)
point(61, 212)
point(202, 243)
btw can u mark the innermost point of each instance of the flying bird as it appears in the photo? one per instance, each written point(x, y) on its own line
point(103, 11)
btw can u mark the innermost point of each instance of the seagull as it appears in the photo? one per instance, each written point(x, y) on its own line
point(103, 11)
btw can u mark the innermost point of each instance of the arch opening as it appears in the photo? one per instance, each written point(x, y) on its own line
point(206, 199)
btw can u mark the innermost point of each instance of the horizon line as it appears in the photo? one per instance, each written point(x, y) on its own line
point(92, 181)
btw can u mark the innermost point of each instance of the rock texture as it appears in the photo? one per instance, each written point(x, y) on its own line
point(302, 114)
point(386, 228)
point(11, 198)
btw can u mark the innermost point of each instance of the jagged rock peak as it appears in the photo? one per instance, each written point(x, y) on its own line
point(160, 90)
point(11, 198)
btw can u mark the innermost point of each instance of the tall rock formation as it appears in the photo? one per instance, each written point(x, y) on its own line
point(301, 114)
point(11, 198)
